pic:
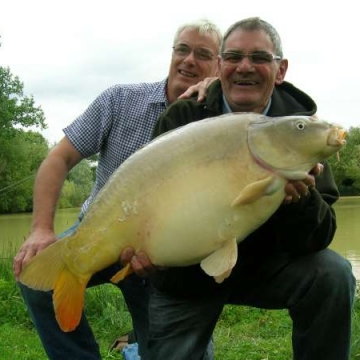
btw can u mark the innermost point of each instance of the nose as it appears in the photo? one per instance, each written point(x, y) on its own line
point(190, 58)
point(244, 64)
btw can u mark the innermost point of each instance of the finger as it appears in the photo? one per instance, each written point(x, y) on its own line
point(287, 199)
point(202, 95)
point(308, 182)
point(20, 260)
point(317, 170)
point(126, 256)
point(202, 90)
point(291, 192)
point(203, 87)
point(138, 267)
point(142, 265)
point(189, 92)
point(302, 188)
point(17, 264)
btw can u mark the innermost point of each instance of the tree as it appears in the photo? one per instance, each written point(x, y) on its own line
point(21, 152)
point(346, 168)
point(15, 108)
point(82, 178)
point(20, 157)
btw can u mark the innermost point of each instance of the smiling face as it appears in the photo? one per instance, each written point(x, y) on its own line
point(247, 85)
point(187, 69)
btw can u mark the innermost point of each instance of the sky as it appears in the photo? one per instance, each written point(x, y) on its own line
point(67, 52)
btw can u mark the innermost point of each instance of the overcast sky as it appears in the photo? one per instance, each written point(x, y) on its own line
point(67, 52)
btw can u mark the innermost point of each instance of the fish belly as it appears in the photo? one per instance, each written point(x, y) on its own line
point(183, 226)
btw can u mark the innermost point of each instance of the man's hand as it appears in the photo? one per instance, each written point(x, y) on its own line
point(140, 263)
point(37, 241)
point(297, 189)
point(200, 88)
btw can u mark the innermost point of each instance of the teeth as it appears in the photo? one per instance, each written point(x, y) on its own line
point(185, 73)
point(245, 82)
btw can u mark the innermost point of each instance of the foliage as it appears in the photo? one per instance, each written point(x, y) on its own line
point(347, 169)
point(21, 151)
point(20, 156)
point(82, 176)
point(15, 108)
point(77, 186)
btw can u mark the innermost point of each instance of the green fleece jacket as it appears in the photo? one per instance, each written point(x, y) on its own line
point(295, 229)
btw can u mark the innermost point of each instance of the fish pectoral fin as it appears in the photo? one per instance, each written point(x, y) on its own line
point(220, 263)
point(255, 191)
point(122, 274)
point(68, 299)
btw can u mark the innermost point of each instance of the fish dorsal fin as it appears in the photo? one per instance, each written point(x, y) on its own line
point(220, 263)
point(256, 190)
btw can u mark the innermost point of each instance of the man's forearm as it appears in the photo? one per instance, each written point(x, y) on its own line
point(48, 185)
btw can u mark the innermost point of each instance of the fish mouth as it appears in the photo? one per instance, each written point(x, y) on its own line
point(337, 137)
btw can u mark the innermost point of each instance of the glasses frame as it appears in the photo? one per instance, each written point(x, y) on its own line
point(197, 52)
point(271, 57)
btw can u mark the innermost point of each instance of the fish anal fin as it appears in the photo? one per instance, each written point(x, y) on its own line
point(122, 274)
point(68, 299)
point(221, 278)
point(255, 191)
point(220, 263)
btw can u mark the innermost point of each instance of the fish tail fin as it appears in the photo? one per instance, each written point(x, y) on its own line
point(68, 299)
point(47, 271)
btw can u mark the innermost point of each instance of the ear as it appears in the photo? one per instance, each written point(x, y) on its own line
point(281, 71)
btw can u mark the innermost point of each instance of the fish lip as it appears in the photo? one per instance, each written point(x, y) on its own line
point(337, 137)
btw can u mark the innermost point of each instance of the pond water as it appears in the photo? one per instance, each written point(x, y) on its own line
point(14, 228)
point(347, 237)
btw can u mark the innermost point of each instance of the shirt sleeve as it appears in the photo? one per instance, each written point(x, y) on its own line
point(89, 131)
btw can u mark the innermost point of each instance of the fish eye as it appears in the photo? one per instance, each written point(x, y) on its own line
point(300, 125)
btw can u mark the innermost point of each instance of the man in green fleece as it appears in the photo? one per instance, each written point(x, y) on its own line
point(285, 264)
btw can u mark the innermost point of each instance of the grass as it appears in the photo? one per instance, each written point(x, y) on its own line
point(242, 333)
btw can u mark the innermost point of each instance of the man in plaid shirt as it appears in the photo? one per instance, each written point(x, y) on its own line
point(115, 125)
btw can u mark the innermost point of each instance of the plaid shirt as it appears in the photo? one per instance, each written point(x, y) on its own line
point(115, 125)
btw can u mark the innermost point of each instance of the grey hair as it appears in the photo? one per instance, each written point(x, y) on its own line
point(203, 26)
point(255, 23)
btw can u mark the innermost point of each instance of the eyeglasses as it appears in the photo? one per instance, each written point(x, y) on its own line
point(258, 57)
point(183, 50)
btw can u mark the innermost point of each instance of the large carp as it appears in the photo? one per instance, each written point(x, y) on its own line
point(187, 197)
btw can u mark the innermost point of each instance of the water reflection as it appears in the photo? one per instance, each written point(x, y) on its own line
point(347, 237)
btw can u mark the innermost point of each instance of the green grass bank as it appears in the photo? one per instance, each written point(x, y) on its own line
point(242, 333)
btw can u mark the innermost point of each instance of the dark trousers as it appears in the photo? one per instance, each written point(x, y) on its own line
point(317, 289)
point(80, 344)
